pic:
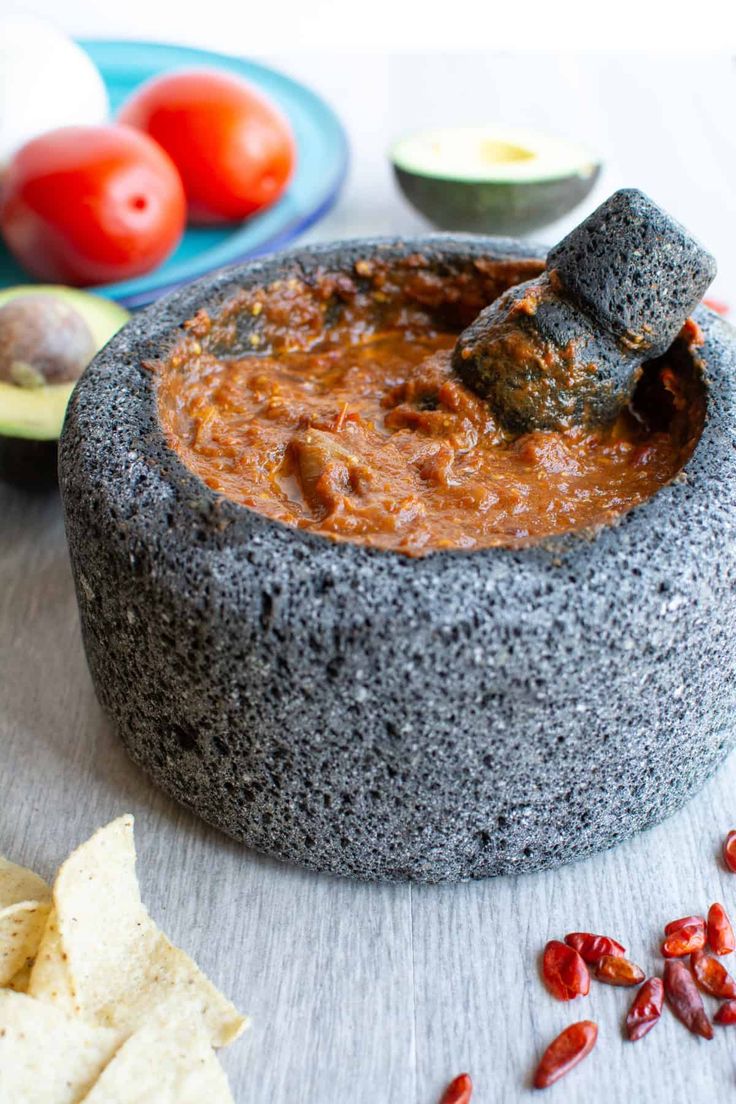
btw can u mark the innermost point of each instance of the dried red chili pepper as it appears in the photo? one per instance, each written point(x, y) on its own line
point(616, 970)
point(684, 941)
point(646, 1009)
point(729, 851)
point(564, 1052)
point(717, 305)
point(565, 974)
point(685, 1000)
point(726, 1014)
point(712, 976)
point(684, 922)
point(458, 1091)
point(720, 933)
point(592, 947)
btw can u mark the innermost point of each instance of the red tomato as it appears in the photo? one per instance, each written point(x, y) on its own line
point(91, 204)
point(235, 151)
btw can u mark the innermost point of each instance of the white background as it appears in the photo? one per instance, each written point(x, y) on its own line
point(260, 26)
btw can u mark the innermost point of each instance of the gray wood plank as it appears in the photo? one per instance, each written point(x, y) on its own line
point(482, 1006)
point(323, 965)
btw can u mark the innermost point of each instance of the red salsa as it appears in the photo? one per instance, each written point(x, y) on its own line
point(330, 405)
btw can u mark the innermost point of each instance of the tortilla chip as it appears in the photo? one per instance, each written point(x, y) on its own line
point(108, 957)
point(168, 1060)
point(47, 1057)
point(19, 981)
point(50, 978)
point(21, 928)
point(19, 884)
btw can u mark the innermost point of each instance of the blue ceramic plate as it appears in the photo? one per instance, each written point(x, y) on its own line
point(322, 155)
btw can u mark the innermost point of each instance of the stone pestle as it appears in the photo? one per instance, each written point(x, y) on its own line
point(568, 347)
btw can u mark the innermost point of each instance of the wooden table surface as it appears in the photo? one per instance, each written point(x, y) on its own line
point(372, 994)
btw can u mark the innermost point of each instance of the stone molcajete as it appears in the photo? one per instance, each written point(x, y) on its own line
point(452, 716)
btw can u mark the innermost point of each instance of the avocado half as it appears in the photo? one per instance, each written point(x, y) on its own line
point(491, 180)
point(31, 417)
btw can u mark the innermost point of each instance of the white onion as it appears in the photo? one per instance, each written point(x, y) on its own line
point(46, 81)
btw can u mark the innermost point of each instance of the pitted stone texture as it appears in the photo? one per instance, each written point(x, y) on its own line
point(634, 269)
point(568, 346)
point(553, 386)
point(359, 712)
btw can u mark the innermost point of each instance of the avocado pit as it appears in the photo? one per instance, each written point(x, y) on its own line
point(43, 340)
point(48, 335)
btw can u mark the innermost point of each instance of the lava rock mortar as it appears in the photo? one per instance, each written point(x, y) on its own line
point(361, 712)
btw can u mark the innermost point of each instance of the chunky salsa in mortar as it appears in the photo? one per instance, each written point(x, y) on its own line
point(328, 402)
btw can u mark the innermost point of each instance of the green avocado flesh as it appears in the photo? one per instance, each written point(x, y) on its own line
point(37, 413)
point(33, 412)
point(492, 181)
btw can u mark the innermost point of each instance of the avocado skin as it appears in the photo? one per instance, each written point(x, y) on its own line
point(494, 207)
point(29, 464)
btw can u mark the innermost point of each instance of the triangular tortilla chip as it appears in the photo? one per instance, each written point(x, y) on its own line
point(109, 957)
point(19, 981)
point(50, 979)
point(168, 1060)
point(47, 1057)
point(17, 883)
point(21, 928)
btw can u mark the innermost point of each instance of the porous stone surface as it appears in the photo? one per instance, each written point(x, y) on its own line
point(551, 384)
point(360, 712)
point(619, 288)
point(634, 269)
